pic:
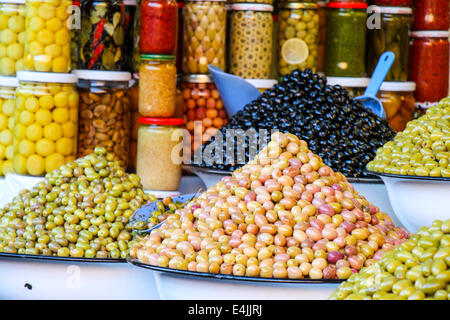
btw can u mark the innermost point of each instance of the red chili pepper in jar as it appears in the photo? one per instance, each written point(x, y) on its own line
point(98, 31)
point(95, 55)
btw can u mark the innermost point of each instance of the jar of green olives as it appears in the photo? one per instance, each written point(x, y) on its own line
point(8, 87)
point(12, 36)
point(251, 40)
point(298, 37)
point(204, 35)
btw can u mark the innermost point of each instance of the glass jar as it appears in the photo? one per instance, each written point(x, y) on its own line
point(204, 35)
point(130, 8)
point(253, 1)
point(179, 55)
point(102, 40)
point(322, 11)
point(355, 86)
point(429, 65)
point(158, 27)
point(12, 37)
point(398, 103)
point(47, 44)
point(104, 117)
point(75, 36)
point(157, 86)
point(431, 15)
point(202, 103)
point(46, 122)
point(262, 84)
point(251, 40)
point(298, 37)
point(393, 35)
point(136, 58)
point(133, 94)
point(393, 3)
point(8, 87)
point(346, 39)
point(158, 164)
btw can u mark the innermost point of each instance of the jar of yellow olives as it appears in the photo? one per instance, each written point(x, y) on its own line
point(8, 87)
point(204, 35)
point(298, 37)
point(12, 36)
point(47, 45)
point(46, 116)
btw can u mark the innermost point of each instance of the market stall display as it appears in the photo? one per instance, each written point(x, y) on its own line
point(8, 87)
point(12, 37)
point(415, 270)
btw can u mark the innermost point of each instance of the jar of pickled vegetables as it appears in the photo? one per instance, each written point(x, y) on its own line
point(251, 40)
point(158, 26)
point(398, 102)
point(393, 3)
point(75, 36)
point(12, 36)
point(202, 104)
point(157, 86)
point(102, 37)
point(204, 35)
point(262, 84)
point(431, 15)
point(393, 35)
point(46, 122)
point(322, 11)
point(355, 86)
point(429, 65)
point(298, 37)
point(159, 153)
point(47, 45)
point(346, 39)
point(8, 87)
point(104, 117)
point(130, 8)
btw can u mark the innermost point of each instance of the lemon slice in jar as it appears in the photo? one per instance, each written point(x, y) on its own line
point(294, 51)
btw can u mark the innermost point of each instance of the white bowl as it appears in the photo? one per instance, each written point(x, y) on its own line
point(418, 201)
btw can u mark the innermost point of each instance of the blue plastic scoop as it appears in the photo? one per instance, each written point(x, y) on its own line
point(369, 99)
point(235, 92)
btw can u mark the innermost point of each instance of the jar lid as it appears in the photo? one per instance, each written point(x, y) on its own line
point(102, 75)
point(348, 82)
point(252, 7)
point(162, 121)
point(348, 5)
point(9, 81)
point(205, 0)
point(262, 83)
point(158, 57)
point(48, 77)
point(393, 10)
point(430, 34)
point(129, 2)
point(322, 4)
point(198, 78)
point(297, 5)
point(13, 1)
point(406, 86)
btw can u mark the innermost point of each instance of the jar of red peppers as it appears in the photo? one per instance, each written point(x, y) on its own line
point(429, 64)
point(431, 15)
point(159, 20)
point(203, 108)
point(393, 3)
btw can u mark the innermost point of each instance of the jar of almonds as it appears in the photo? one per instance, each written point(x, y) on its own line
point(104, 118)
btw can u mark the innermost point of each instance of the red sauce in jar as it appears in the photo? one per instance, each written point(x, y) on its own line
point(158, 27)
point(393, 3)
point(429, 66)
point(431, 15)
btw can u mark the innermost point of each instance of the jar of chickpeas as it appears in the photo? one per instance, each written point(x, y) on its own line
point(8, 87)
point(46, 116)
point(298, 37)
point(204, 35)
point(47, 45)
point(251, 40)
point(12, 36)
point(204, 112)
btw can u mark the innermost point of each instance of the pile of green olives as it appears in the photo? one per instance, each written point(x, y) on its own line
point(83, 209)
point(418, 269)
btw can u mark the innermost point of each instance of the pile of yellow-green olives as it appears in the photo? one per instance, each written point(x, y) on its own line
point(422, 149)
point(83, 209)
point(418, 269)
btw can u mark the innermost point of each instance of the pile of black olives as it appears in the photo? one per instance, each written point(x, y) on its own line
point(336, 127)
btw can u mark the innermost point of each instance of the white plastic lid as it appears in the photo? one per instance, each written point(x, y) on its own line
point(129, 2)
point(405, 86)
point(198, 78)
point(13, 1)
point(102, 75)
point(262, 83)
point(393, 10)
point(348, 82)
point(48, 77)
point(252, 7)
point(8, 81)
point(430, 34)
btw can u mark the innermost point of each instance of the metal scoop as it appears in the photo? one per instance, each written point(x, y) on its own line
point(369, 99)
